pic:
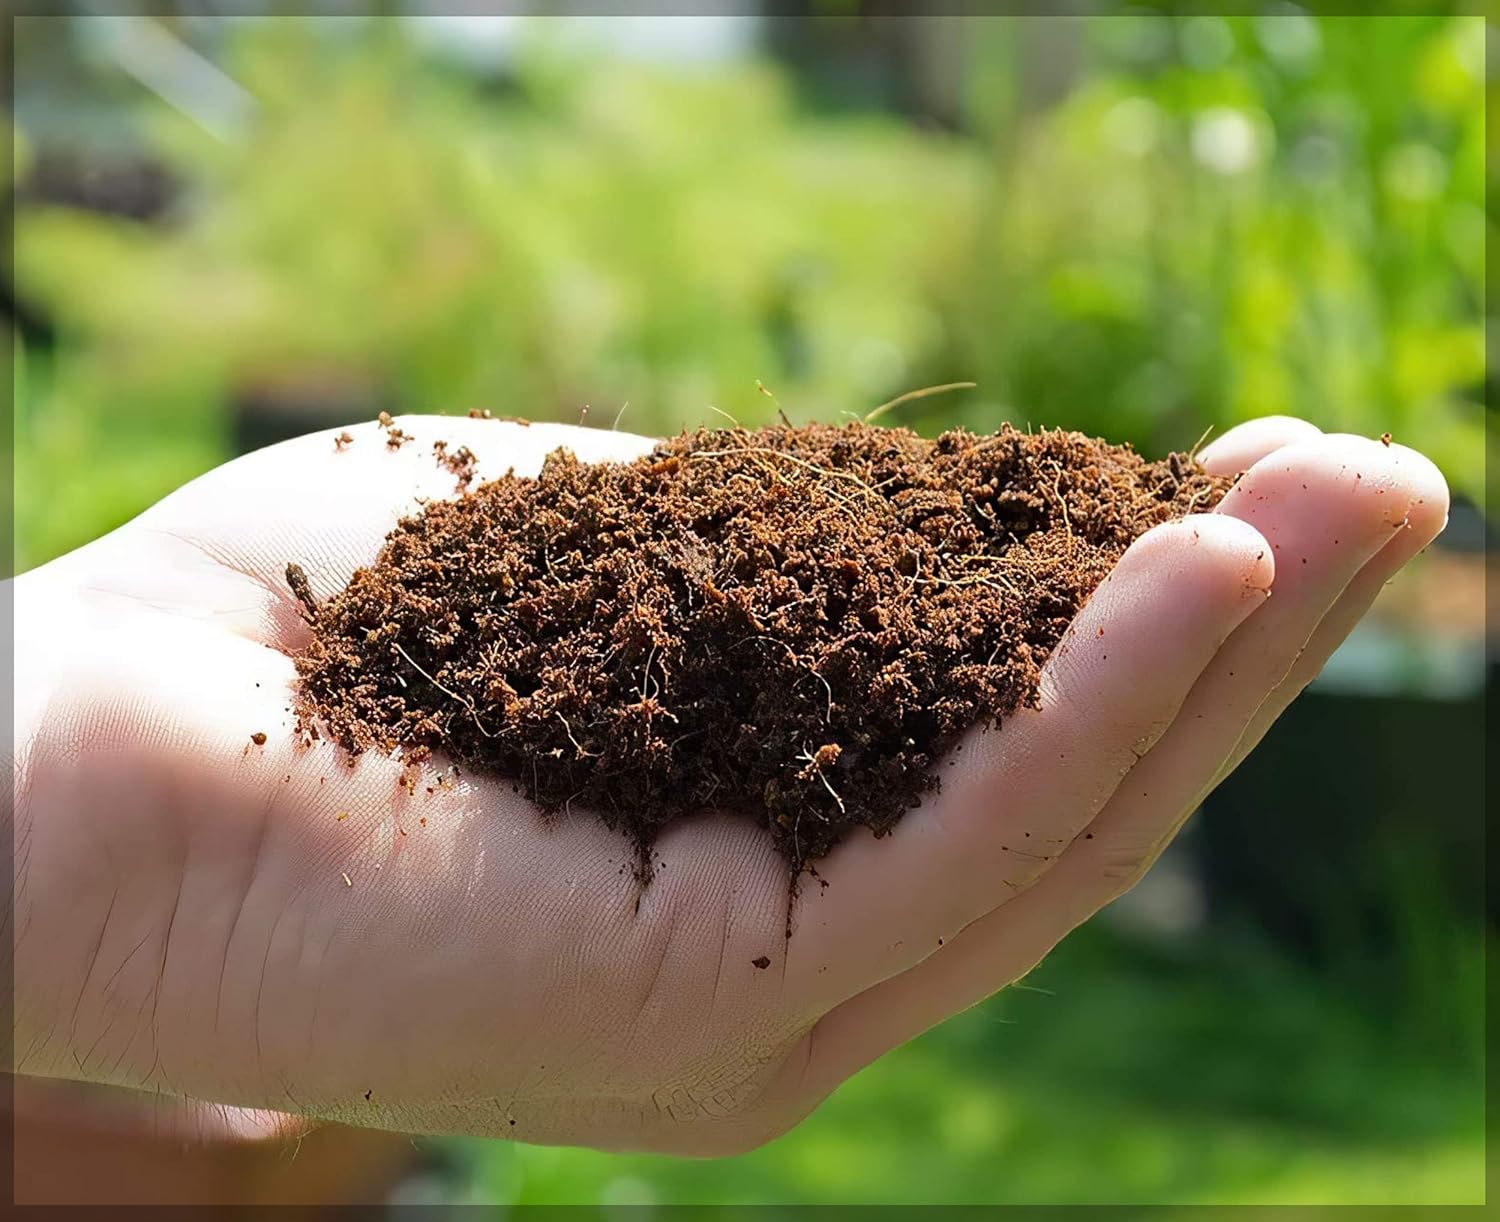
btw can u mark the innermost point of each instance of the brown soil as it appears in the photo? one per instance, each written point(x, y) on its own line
point(790, 624)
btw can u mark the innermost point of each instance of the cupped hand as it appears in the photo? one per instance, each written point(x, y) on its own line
point(267, 926)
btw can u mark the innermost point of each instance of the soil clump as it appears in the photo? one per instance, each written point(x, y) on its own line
point(789, 624)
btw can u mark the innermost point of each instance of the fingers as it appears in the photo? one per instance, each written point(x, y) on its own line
point(1246, 444)
point(1352, 487)
point(1328, 507)
point(1015, 797)
point(1425, 519)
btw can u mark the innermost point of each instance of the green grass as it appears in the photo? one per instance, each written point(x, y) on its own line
point(1225, 1077)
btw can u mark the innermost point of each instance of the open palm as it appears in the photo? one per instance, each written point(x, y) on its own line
point(265, 925)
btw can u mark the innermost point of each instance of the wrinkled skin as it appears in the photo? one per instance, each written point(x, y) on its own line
point(193, 918)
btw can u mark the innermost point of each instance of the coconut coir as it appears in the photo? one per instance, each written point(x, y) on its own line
point(789, 624)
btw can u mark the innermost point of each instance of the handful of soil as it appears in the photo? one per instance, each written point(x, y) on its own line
point(790, 624)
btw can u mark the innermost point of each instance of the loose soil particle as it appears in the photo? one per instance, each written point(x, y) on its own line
point(789, 624)
point(460, 463)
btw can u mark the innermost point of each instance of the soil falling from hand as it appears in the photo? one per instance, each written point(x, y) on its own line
point(789, 624)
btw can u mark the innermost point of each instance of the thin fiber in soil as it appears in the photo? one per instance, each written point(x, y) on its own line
point(790, 624)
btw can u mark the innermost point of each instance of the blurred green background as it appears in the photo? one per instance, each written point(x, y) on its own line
point(228, 230)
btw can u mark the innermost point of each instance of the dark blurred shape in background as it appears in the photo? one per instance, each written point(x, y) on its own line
point(230, 230)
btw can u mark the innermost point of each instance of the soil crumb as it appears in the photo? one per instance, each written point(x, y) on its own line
point(395, 437)
point(788, 624)
point(460, 463)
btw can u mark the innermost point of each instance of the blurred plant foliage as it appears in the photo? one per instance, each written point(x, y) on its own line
point(598, 232)
point(1243, 216)
point(1216, 218)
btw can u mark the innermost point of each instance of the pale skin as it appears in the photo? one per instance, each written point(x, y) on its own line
point(194, 918)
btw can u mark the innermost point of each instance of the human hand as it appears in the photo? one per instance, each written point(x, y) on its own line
point(193, 915)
